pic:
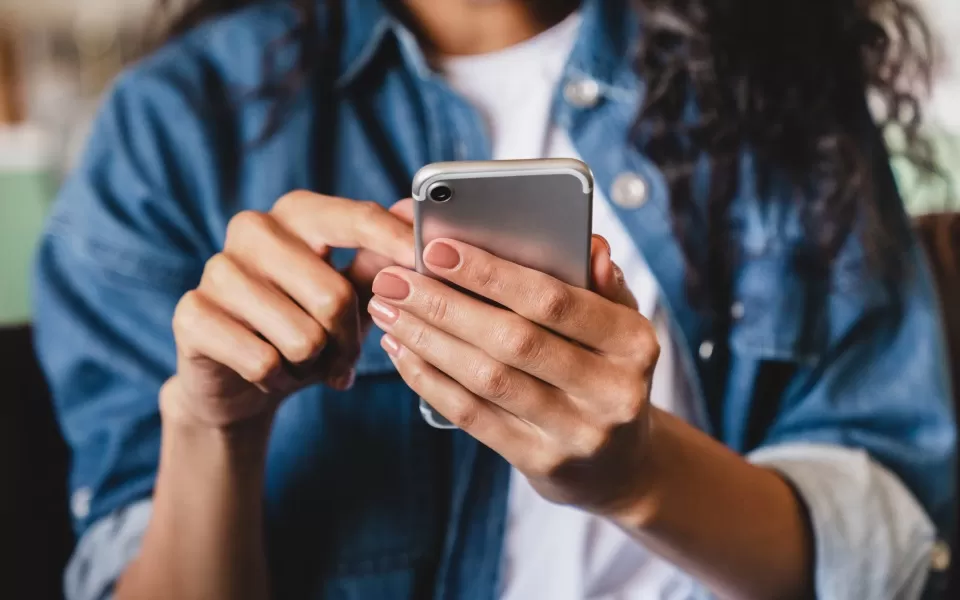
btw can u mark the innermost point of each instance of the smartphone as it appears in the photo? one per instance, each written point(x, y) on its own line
point(537, 213)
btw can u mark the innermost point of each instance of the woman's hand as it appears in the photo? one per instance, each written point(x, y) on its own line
point(271, 315)
point(557, 381)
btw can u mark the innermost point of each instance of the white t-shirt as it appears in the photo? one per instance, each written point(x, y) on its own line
point(551, 551)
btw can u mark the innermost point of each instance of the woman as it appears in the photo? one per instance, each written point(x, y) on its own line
point(795, 438)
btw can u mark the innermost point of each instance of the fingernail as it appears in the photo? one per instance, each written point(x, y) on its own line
point(280, 380)
point(388, 343)
point(345, 382)
point(441, 255)
point(618, 274)
point(606, 244)
point(390, 286)
point(383, 312)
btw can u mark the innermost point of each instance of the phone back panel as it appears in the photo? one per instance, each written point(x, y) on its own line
point(535, 213)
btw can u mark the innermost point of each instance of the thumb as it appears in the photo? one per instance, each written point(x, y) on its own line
point(608, 280)
point(367, 264)
point(403, 210)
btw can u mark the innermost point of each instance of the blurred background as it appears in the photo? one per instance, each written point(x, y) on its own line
point(56, 59)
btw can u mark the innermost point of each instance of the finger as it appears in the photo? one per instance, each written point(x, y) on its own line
point(488, 423)
point(575, 313)
point(325, 221)
point(205, 332)
point(403, 210)
point(298, 337)
point(608, 279)
point(268, 251)
point(516, 392)
point(367, 264)
point(501, 334)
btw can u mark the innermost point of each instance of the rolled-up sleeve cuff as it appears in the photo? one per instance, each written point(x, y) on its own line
point(872, 538)
point(104, 552)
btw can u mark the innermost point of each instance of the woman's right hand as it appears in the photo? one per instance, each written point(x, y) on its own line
point(272, 315)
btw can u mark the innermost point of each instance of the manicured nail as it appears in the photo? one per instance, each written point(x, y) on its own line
point(441, 255)
point(388, 343)
point(391, 287)
point(383, 312)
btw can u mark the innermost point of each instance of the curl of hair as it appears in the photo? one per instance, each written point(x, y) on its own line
point(789, 81)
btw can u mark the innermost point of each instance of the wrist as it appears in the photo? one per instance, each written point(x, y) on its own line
point(248, 437)
point(641, 511)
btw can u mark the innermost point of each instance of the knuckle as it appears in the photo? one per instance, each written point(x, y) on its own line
point(645, 348)
point(419, 337)
point(493, 381)
point(554, 303)
point(590, 441)
point(245, 224)
point(522, 344)
point(288, 202)
point(187, 314)
point(437, 306)
point(630, 403)
point(369, 215)
point(370, 209)
point(311, 338)
point(464, 415)
point(414, 372)
point(545, 464)
point(485, 275)
point(218, 271)
point(334, 300)
point(262, 366)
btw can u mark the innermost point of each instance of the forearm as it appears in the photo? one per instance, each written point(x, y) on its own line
point(736, 527)
point(205, 539)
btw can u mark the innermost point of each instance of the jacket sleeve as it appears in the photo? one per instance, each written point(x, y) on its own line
point(126, 239)
point(866, 432)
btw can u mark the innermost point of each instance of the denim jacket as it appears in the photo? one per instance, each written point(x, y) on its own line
point(839, 384)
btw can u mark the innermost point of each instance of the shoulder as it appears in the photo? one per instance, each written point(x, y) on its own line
point(219, 66)
point(232, 49)
point(192, 103)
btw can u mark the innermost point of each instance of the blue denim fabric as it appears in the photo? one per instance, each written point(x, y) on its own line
point(363, 499)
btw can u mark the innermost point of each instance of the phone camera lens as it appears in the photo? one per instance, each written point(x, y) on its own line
point(440, 193)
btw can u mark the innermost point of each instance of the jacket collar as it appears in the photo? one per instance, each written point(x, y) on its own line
point(606, 46)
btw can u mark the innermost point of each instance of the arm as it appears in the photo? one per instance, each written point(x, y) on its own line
point(128, 302)
point(576, 419)
point(737, 528)
point(205, 537)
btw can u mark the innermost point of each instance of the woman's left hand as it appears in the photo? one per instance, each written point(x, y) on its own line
point(557, 381)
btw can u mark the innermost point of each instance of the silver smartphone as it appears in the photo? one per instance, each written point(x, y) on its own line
point(537, 213)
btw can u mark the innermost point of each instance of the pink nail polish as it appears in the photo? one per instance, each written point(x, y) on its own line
point(390, 286)
point(388, 343)
point(383, 312)
point(441, 255)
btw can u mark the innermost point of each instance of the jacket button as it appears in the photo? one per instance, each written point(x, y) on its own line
point(582, 93)
point(706, 350)
point(80, 502)
point(629, 191)
point(940, 557)
point(737, 311)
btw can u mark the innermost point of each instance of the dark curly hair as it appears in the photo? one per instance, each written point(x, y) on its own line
point(787, 80)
